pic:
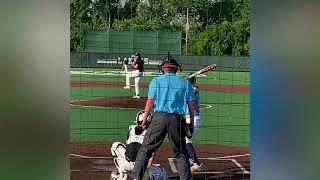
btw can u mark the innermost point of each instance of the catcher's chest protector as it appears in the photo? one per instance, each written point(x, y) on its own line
point(132, 151)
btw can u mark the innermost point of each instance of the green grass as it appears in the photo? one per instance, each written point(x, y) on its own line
point(214, 77)
point(226, 122)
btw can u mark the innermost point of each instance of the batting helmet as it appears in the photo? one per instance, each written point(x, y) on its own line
point(192, 79)
point(139, 117)
point(156, 173)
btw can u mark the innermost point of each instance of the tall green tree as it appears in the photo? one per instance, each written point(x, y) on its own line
point(218, 27)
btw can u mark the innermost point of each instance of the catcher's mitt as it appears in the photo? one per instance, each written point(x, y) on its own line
point(188, 130)
point(138, 130)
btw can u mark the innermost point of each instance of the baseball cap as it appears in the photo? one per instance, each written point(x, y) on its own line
point(135, 54)
point(171, 63)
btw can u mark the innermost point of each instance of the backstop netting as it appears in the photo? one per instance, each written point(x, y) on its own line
point(102, 111)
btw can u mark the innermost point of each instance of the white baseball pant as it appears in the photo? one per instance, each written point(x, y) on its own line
point(137, 77)
point(197, 123)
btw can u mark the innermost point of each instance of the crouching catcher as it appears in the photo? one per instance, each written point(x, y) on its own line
point(124, 155)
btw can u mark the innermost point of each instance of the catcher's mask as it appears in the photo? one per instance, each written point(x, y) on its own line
point(192, 80)
point(139, 118)
point(169, 62)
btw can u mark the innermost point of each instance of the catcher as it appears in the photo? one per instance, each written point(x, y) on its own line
point(125, 155)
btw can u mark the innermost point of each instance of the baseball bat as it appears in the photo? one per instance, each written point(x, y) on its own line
point(202, 71)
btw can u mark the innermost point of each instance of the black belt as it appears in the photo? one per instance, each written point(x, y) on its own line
point(174, 114)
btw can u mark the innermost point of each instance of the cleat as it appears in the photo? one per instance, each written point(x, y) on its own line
point(126, 87)
point(196, 168)
point(136, 97)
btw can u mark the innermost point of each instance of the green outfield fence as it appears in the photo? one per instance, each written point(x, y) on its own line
point(114, 60)
point(132, 41)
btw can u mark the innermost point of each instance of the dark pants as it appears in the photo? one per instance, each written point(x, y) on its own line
point(161, 124)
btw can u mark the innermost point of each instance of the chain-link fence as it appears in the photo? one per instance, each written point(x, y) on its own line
point(107, 60)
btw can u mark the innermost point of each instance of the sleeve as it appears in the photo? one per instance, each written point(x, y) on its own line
point(190, 94)
point(153, 89)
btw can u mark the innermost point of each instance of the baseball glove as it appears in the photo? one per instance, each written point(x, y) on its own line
point(188, 130)
point(138, 130)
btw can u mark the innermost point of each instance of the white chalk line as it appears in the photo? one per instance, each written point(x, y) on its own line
point(90, 157)
point(174, 168)
point(77, 105)
point(244, 171)
point(222, 158)
point(172, 165)
point(227, 157)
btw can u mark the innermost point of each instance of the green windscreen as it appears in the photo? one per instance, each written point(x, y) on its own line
point(132, 41)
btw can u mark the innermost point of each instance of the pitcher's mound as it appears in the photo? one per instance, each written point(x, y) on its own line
point(120, 102)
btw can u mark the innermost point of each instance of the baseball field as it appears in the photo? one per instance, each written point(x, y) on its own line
point(101, 111)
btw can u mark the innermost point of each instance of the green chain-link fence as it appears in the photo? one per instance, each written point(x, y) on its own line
point(108, 60)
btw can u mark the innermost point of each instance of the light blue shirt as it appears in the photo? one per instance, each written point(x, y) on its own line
point(171, 93)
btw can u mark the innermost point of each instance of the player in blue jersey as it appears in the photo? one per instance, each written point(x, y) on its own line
point(194, 161)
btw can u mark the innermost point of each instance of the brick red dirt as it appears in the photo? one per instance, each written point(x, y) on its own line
point(120, 102)
point(203, 87)
point(100, 168)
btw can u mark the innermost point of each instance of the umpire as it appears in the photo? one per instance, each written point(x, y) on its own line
point(170, 96)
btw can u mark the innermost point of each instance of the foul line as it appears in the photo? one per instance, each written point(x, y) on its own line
point(172, 165)
point(223, 158)
point(227, 157)
point(90, 157)
point(174, 168)
point(240, 166)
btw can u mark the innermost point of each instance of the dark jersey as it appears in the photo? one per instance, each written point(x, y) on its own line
point(140, 63)
point(126, 61)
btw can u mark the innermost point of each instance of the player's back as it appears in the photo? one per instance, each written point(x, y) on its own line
point(170, 92)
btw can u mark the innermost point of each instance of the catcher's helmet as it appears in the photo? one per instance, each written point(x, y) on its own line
point(139, 117)
point(156, 173)
point(192, 79)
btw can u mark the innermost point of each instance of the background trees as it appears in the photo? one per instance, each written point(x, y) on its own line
point(218, 27)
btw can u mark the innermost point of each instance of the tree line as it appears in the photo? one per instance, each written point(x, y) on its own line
point(217, 27)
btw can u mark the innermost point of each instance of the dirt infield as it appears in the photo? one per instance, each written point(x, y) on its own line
point(203, 87)
point(121, 102)
point(92, 160)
